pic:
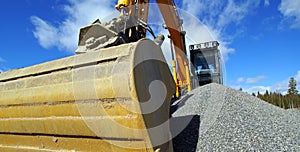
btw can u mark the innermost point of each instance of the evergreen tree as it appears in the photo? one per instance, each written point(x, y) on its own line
point(267, 96)
point(292, 87)
point(267, 93)
point(259, 95)
point(292, 93)
point(290, 100)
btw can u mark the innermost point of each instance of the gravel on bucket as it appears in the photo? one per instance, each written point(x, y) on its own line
point(217, 118)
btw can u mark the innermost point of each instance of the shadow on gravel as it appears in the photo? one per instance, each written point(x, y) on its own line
point(187, 139)
point(177, 104)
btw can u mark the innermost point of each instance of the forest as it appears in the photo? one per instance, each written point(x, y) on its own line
point(291, 100)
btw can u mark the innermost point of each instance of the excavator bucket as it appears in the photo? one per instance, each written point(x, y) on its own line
point(112, 99)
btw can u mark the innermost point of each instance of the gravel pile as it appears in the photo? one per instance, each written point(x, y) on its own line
point(217, 118)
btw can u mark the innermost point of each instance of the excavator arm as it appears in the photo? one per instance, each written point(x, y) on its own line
point(176, 34)
point(103, 98)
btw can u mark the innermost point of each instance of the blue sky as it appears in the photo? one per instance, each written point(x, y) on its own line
point(259, 37)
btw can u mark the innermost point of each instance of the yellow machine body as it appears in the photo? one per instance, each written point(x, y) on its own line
point(98, 101)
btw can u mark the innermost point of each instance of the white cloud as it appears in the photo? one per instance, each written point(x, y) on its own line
point(232, 13)
point(255, 80)
point(240, 80)
point(220, 13)
point(283, 86)
point(297, 77)
point(290, 9)
point(196, 32)
point(79, 13)
point(44, 32)
point(194, 6)
point(253, 89)
point(217, 15)
point(280, 87)
point(267, 2)
point(256, 89)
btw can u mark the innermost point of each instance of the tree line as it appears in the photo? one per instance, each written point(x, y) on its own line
point(289, 101)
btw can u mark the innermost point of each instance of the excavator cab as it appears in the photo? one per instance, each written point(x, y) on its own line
point(206, 59)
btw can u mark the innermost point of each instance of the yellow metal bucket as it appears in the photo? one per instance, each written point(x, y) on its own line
point(114, 99)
